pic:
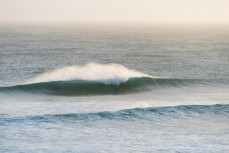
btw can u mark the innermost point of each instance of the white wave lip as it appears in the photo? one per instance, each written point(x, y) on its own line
point(105, 73)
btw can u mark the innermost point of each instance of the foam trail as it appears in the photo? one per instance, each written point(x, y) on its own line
point(106, 73)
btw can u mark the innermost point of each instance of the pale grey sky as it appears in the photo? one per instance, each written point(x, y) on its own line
point(115, 10)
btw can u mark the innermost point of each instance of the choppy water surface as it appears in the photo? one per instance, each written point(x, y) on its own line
point(114, 88)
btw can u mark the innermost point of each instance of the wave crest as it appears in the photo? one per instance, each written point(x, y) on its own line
point(105, 73)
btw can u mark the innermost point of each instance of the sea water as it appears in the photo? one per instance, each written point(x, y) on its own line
point(114, 88)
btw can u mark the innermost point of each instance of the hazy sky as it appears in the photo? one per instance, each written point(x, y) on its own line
point(115, 10)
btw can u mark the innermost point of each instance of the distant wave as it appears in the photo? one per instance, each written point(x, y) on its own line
point(151, 113)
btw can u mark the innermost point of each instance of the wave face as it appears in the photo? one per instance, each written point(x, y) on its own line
point(81, 87)
point(151, 113)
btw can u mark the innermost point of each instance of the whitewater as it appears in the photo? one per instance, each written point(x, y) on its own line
point(120, 90)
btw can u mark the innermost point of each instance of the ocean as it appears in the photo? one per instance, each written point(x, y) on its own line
point(93, 87)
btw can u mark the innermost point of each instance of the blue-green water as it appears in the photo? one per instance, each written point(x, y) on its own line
point(114, 88)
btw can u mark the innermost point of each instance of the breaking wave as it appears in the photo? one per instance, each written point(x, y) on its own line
point(95, 79)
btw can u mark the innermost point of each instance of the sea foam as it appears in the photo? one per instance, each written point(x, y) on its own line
point(106, 73)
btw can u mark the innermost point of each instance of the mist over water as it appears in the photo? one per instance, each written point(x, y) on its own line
point(107, 73)
point(114, 88)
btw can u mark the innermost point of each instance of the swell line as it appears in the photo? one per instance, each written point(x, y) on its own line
point(151, 113)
